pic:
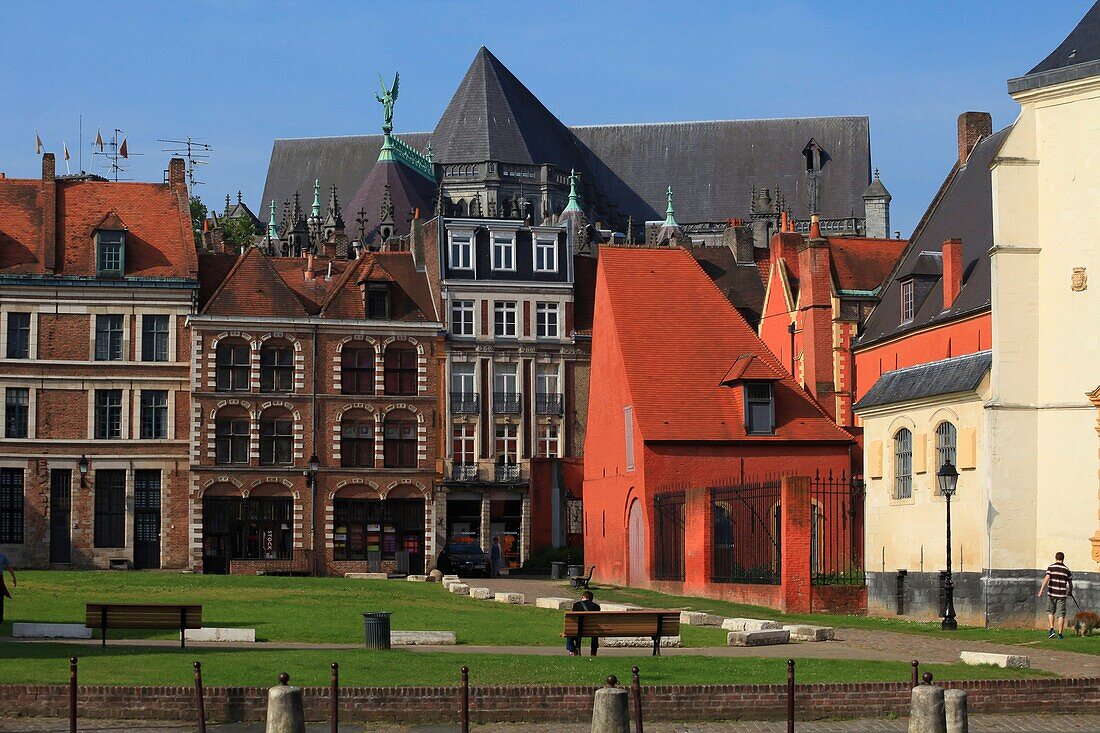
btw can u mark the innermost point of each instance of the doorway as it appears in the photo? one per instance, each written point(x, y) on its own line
point(146, 520)
point(61, 492)
point(637, 544)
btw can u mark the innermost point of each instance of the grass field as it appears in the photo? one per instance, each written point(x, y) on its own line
point(120, 665)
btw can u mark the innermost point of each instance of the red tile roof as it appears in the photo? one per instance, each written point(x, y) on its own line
point(679, 337)
point(864, 264)
point(254, 288)
point(159, 242)
point(412, 302)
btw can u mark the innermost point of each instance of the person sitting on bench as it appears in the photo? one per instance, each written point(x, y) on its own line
point(573, 643)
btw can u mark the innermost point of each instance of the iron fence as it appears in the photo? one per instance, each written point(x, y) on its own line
point(668, 555)
point(836, 530)
point(746, 539)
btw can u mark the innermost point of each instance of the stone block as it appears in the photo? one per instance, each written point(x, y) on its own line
point(482, 594)
point(436, 573)
point(805, 632)
point(459, 589)
point(559, 604)
point(367, 576)
point(700, 618)
point(449, 578)
point(515, 598)
point(667, 642)
point(1005, 661)
point(421, 638)
point(618, 607)
point(749, 624)
point(214, 633)
point(418, 578)
point(24, 630)
point(758, 638)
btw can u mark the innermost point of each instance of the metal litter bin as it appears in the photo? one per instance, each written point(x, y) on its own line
point(376, 628)
point(557, 570)
point(576, 570)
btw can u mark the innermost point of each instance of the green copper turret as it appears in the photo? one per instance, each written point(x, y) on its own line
point(316, 210)
point(670, 220)
point(272, 227)
point(573, 205)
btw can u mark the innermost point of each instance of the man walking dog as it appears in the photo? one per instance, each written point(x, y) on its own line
point(1058, 581)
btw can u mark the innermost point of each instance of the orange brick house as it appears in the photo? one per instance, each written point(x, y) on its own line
point(685, 397)
point(315, 416)
point(97, 279)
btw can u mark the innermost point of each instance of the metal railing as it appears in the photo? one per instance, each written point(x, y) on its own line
point(836, 530)
point(464, 472)
point(507, 403)
point(465, 403)
point(669, 533)
point(506, 473)
point(746, 519)
point(549, 403)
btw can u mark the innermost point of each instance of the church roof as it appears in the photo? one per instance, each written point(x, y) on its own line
point(408, 191)
point(1077, 57)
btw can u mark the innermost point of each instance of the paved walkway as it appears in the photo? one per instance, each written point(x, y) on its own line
point(978, 724)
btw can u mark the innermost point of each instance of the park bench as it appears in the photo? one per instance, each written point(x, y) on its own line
point(143, 616)
point(582, 581)
point(600, 624)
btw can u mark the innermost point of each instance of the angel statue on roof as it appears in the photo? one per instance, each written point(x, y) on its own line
point(387, 98)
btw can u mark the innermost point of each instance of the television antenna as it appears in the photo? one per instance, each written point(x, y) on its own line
point(194, 152)
point(113, 152)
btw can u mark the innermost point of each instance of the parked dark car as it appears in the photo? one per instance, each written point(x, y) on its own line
point(464, 558)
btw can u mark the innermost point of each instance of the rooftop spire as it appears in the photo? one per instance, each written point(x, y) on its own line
point(573, 205)
point(315, 212)
point(272, 227)
point(670, 220)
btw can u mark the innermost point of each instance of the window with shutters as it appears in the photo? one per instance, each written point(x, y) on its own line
point(108, 338)
point(11, 506)
point(357, 371)
point(400, 365)
point(16, 417)
point(110, 508)
point(759, 408)
point(903, 464)
point(232, 361)
point(276, 367)
point(154, 337)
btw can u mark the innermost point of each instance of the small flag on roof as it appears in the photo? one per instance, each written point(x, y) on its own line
point(99, 140)
point(122, 149)
point(65, 148)
point(37, 143)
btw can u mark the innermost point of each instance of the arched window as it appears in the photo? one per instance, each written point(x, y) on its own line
point(276, 367)
point(231, 427)
point(945, 447)
point(357, 370)
point(399, 444)
point(400, 364)
point(903, 464)
point(357, 440)
point(232, 362)
point(276, 438)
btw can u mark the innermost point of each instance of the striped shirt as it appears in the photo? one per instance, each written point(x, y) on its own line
point(1059, 576)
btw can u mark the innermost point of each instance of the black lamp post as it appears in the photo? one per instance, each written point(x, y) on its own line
point(948, 478)
point(83, 467)
point(311, 471)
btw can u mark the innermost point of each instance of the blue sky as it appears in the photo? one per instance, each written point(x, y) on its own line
point(240, 74)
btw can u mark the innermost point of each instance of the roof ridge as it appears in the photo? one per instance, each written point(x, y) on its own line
point(254, 252)
point(718, 122)
point(923, 365)
point(341, 282)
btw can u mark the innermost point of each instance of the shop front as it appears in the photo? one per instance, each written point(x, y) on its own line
point(236, 528)
point(385, 535)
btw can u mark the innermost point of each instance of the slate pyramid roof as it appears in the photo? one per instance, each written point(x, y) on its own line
point(493, 116)
point(408, 191)
point(1077, 57)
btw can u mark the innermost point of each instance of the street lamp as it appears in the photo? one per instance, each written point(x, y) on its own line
point(83, 467)
point(311, 471)
point(948, 478)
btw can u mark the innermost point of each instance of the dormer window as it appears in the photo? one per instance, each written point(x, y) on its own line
point(110, 252)
point(907, 303)
point(378, 302)
point(759, 408)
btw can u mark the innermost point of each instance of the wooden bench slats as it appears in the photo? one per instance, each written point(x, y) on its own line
point(179, 616)
point(601, 624)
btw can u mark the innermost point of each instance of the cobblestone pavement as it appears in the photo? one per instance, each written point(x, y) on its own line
point(978, 724)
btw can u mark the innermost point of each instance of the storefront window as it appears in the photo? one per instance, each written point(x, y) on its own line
point(464, 519)
point(505, 522)
point(366, 529)
point(248, 529)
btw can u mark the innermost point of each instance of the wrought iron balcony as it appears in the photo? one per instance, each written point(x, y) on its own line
point(549, 403)
point(464, 472)
point(507, 473)
point(507, 403)
point(465, 403)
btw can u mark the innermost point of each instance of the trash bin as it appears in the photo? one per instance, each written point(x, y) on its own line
point(557, 570)
point(576, 570)
point(376, 628)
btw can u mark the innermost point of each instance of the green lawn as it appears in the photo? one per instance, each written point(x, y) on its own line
point(47, 663)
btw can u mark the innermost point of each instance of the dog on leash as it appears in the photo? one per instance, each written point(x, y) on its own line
point(1084, 622)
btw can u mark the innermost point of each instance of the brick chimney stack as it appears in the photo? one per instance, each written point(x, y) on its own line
point(177, 174)
point(952, 271)
point(49, 167)
point(49, 213)
point(816, 304)
point(973, 126)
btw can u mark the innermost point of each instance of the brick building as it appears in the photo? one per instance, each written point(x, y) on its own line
point(684, 396)
point(96, 282)
point(315, 414)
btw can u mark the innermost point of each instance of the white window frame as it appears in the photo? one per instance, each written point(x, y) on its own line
point(466, 434)
point(463, 378)
point(543, 311)
point(465, 308)
point(460, 254)
point(908, 308)
point(506, 378)
point(547, 376)
point(506, 242)
point(507, 310)
point(546, 442)
point(546, 254)
point(509, 434)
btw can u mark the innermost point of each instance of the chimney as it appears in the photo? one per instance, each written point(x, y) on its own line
point(816, 305)
point(952, 270)
point(48, 167)
point(815, 227)
point(973, 126)
point(177, 174)
point(309, 266)
point(49, 214)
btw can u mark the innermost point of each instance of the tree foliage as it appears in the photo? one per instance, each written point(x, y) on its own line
point(198, 217)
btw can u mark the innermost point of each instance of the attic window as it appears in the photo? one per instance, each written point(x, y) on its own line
point(759, 408)
point(907, 301)
point(812, 152)
point(110, 252)
point(378, 302)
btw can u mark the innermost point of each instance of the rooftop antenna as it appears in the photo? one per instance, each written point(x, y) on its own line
point(194, 152)
point(113, 152)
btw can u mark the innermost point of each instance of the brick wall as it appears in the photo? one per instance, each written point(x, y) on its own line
point(64, 336)
point(545, 703)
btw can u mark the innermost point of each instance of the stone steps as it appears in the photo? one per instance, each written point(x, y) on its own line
point(758, 638)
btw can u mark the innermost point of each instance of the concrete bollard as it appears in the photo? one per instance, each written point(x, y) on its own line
point(926, 713)
point(284, 708)
point(954, 706)
point(611, 709)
